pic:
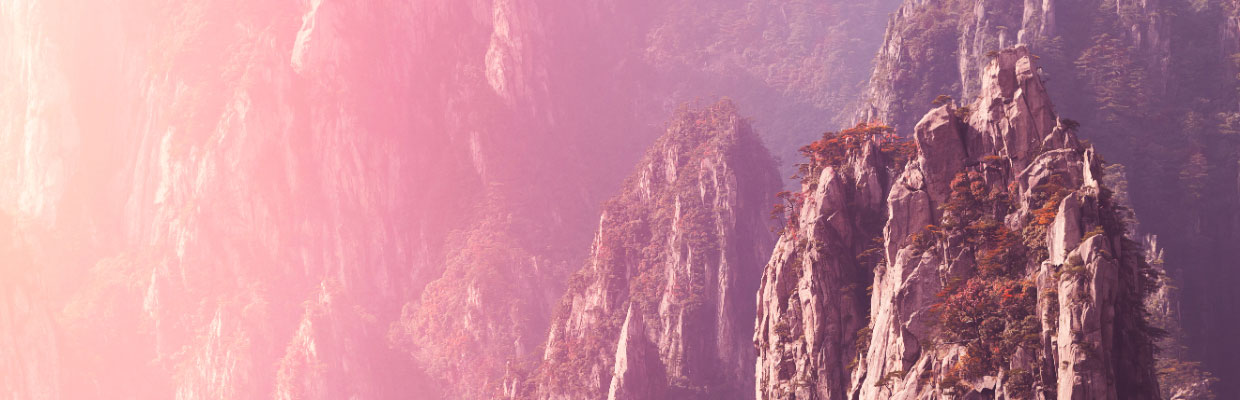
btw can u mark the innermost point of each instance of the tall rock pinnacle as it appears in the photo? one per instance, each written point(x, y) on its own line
point(1004, 269)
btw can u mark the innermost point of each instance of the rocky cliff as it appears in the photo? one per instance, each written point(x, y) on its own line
point(248, 199)
point(811, 304)
point(194, 177)
point(1154, 82)
point(195, 174)
point(939, 47)
point(1004, 272)
point(663, 307)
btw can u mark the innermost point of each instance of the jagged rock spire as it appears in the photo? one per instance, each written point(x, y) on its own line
point(666, 296)
point(1006, 273)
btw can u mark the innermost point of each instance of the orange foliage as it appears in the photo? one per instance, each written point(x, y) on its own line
point(1050, 194)
point(991, 314)
point(835, 148)
point(992, 319)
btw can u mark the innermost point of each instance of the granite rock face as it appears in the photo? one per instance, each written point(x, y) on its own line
point(663, 307)
point(1005, 272)
point(810, 304)
point(638, 374)
point(190, 174)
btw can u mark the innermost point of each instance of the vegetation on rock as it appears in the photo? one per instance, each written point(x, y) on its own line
point(684, 216)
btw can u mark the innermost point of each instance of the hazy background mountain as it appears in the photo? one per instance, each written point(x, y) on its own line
point(240, 199)
point(335, 198)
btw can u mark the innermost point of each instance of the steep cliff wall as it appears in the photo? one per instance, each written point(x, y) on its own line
point(663, 306)
point(197, 171)
point(1005, 270)
point(811, 304)
point(1153, 82)
point(190, 174)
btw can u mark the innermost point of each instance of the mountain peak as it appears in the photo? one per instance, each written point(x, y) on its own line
point(1000, 247)
point(663, 306)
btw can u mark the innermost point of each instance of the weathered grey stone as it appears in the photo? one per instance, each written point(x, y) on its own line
point(1065, 232)
point(940, 137)
point(1087, 293)
point(638, 374)
point(695, 221)
point(1013, 144)
point(809, 305)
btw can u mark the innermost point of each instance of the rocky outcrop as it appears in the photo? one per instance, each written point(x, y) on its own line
point(673, 265)
point(202, 169)
point(1006, 272)
point(1131, 71)
point(810, 305)
point(214, 153)
point(639, 374)
point(940, 47)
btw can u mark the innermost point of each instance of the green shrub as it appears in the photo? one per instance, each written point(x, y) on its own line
point(1019, 384)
